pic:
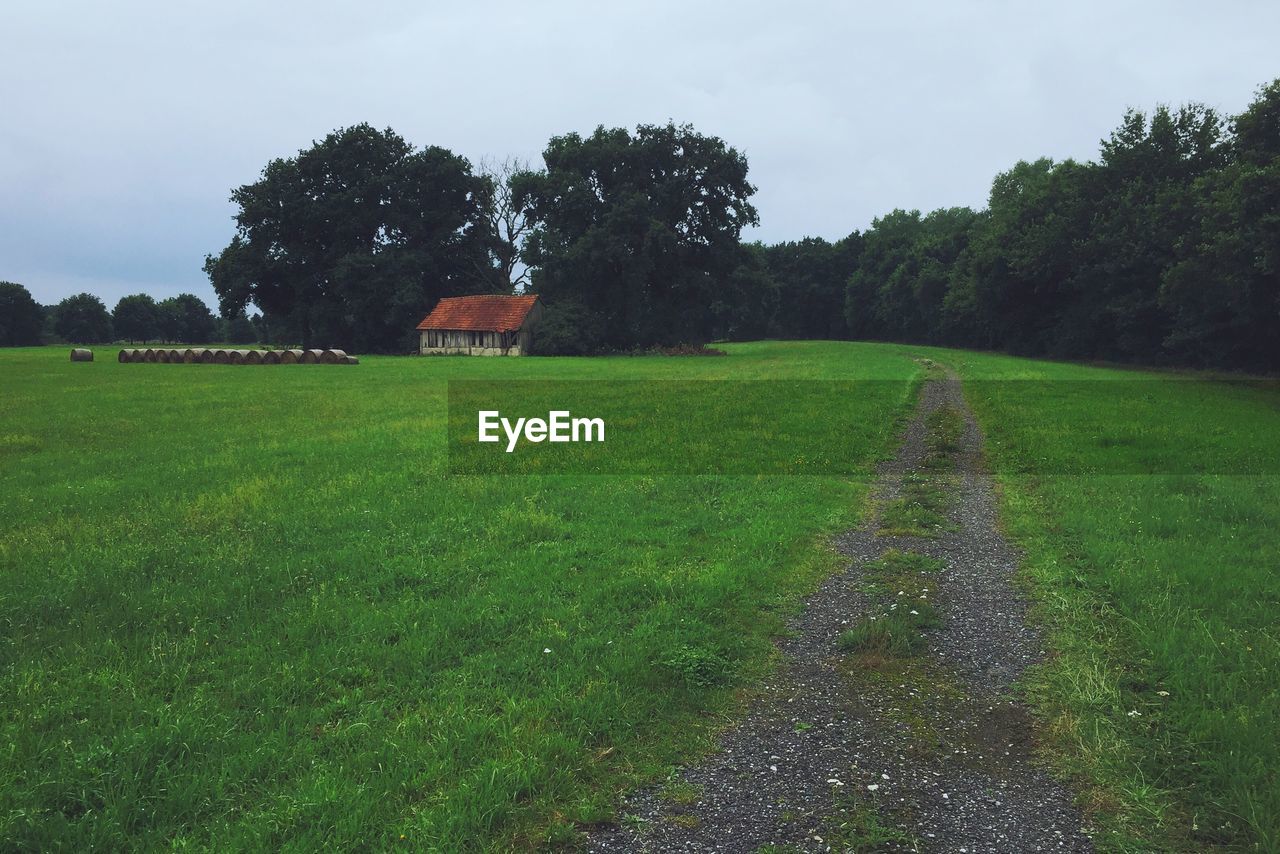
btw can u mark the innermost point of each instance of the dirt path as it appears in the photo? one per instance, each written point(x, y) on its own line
point(889, 725)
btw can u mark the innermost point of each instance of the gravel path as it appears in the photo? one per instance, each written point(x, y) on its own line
point(929, 754)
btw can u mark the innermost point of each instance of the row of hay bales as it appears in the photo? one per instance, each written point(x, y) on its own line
point(218, 356)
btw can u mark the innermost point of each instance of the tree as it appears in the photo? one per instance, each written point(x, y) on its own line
point(1013, 284)
point(237, 328)
point(136, 318)
point(812, 275)
point(642, 230)
point(21, 317)
point(874, 295)
point(1146, 202)
point(568, 329)
point(508, 223)
point(186, 319)
point(82, 319)
point(745, 305)
point(351, 241)
point(1224, 292)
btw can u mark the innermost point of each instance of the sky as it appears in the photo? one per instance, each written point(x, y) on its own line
point(125, 126)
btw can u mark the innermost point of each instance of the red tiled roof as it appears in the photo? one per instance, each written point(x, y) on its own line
point(481, 313)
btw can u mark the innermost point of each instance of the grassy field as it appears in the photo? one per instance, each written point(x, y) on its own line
point(1149, 509)
point(246, 607)
point(249, 607)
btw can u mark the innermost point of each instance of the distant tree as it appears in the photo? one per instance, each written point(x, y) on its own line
point(508, 223)
point(812, 276)
point(186, 319)
point(1223, 294)
point(640, 229)
point(1012, 286)
point(873, 290)
point(82, 319)
point(745, 305)
point(1145, 204)
point(353, 240)
point(268, 331)
point(21, 317)
point(237, 328)
point(568, 329)
point(136, 318)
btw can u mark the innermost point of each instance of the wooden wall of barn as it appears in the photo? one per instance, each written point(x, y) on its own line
point(515, 343)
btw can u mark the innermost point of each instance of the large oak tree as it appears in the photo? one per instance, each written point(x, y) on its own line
point(640, 231)
point(350, 242)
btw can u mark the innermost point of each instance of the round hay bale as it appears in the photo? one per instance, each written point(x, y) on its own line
point(222, 357)
point(238, 356)
point(126, 355)
point(162, 356)
point(81, 354)
point(351, 360)
point(290, 357)
point(333, 357)
point(193, 355)
point(253, 357)
point(311, 357)
point(147, 355)
point(270, 357)
point(206, 356)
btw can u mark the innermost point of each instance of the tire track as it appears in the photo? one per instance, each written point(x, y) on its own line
point(868, 750)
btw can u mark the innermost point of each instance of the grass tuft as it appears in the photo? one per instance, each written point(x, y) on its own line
point(896, 632)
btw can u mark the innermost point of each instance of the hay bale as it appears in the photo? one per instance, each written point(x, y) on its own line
point(290, 357)
point(351, 360)
point(253, 357)
point(311, 357)
point(222, 357)
point(193, 355)
point(206, 356)
point(333, 357)
point(127, 355)
point(238, 356)
point(147, 355)
point(162, 356)
point(270, 357)
point(80, 354)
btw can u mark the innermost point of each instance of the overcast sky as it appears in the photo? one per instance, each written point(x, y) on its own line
point(124, 126)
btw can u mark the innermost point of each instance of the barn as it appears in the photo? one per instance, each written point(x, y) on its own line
point(481, 325)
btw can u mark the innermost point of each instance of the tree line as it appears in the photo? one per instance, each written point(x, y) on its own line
point(1165, 249)
point(84, 319)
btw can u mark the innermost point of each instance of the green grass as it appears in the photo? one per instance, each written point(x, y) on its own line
point(920, 512)
point(857, 827)
point(895, 563)
point(902, 584)
point(1148, 506)
point(946, 425)
point(247, 607)
point(892, 633)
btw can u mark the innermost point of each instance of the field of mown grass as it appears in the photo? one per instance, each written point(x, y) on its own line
point(1149, 508)
point(247, 607)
